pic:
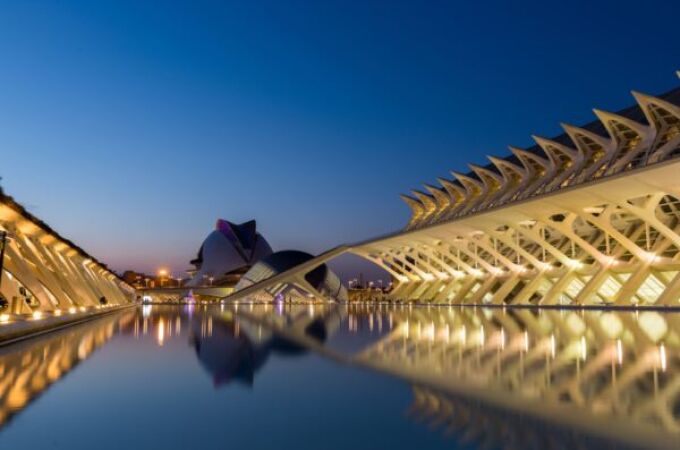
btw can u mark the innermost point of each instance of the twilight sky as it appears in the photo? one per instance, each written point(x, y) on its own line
point(131, 126)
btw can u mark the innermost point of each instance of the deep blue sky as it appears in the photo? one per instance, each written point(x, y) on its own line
point(131, 126)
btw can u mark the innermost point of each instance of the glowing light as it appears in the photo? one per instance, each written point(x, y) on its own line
point(574, 264)
point(544, 266)
point(584, 349)
point(37, 315)
point(161, 333)
point(662, 357)
point(611, 261)
point(619, 351)
point(146, 311)
point(4, 318)
point(83, 309)
point(526, 341)
point(520, 269)
point(553, 345)
point(72, 310)
point(57, 312)
point(649, 257)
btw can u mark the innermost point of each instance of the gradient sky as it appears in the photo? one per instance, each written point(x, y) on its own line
point(131, 126)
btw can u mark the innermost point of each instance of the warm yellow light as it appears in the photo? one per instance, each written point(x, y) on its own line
point(574, 264)
point(72, 310)
point(650, 257)
point(37, 315)
point(162, 272)
point(4, 318)
point(662, 358)
point(161, 333)
point(57, 312)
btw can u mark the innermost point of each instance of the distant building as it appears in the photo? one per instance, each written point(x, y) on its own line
point(140, 280)
point(227, 253)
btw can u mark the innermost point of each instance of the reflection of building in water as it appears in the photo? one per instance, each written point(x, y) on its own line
point(476, 426)
point(27, 369)
point(163, 322)
point(236, 348)
point(227, 353)
point(619, 370)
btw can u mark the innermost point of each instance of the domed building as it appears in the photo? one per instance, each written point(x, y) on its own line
point(227, 253)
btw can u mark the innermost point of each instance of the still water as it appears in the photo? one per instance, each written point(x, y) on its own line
point(339, 377)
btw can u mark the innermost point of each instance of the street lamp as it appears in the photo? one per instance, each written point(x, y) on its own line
point(161, 274)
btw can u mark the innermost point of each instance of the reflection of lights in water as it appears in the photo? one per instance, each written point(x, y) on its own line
point(429, 332)
point(553, 345)
point(178, 326)
point(526, 341)
point(662, 358)
point(502, 338)
point(82, 349)
point(584, 350)
point(619, 351)
point(189, 308)
point(161, 333)
point(146, 311)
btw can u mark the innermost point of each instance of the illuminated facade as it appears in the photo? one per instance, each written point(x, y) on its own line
point(44, 272)
point(590, 217)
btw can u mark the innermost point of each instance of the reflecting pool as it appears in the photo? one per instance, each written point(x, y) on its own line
point(323, 376)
